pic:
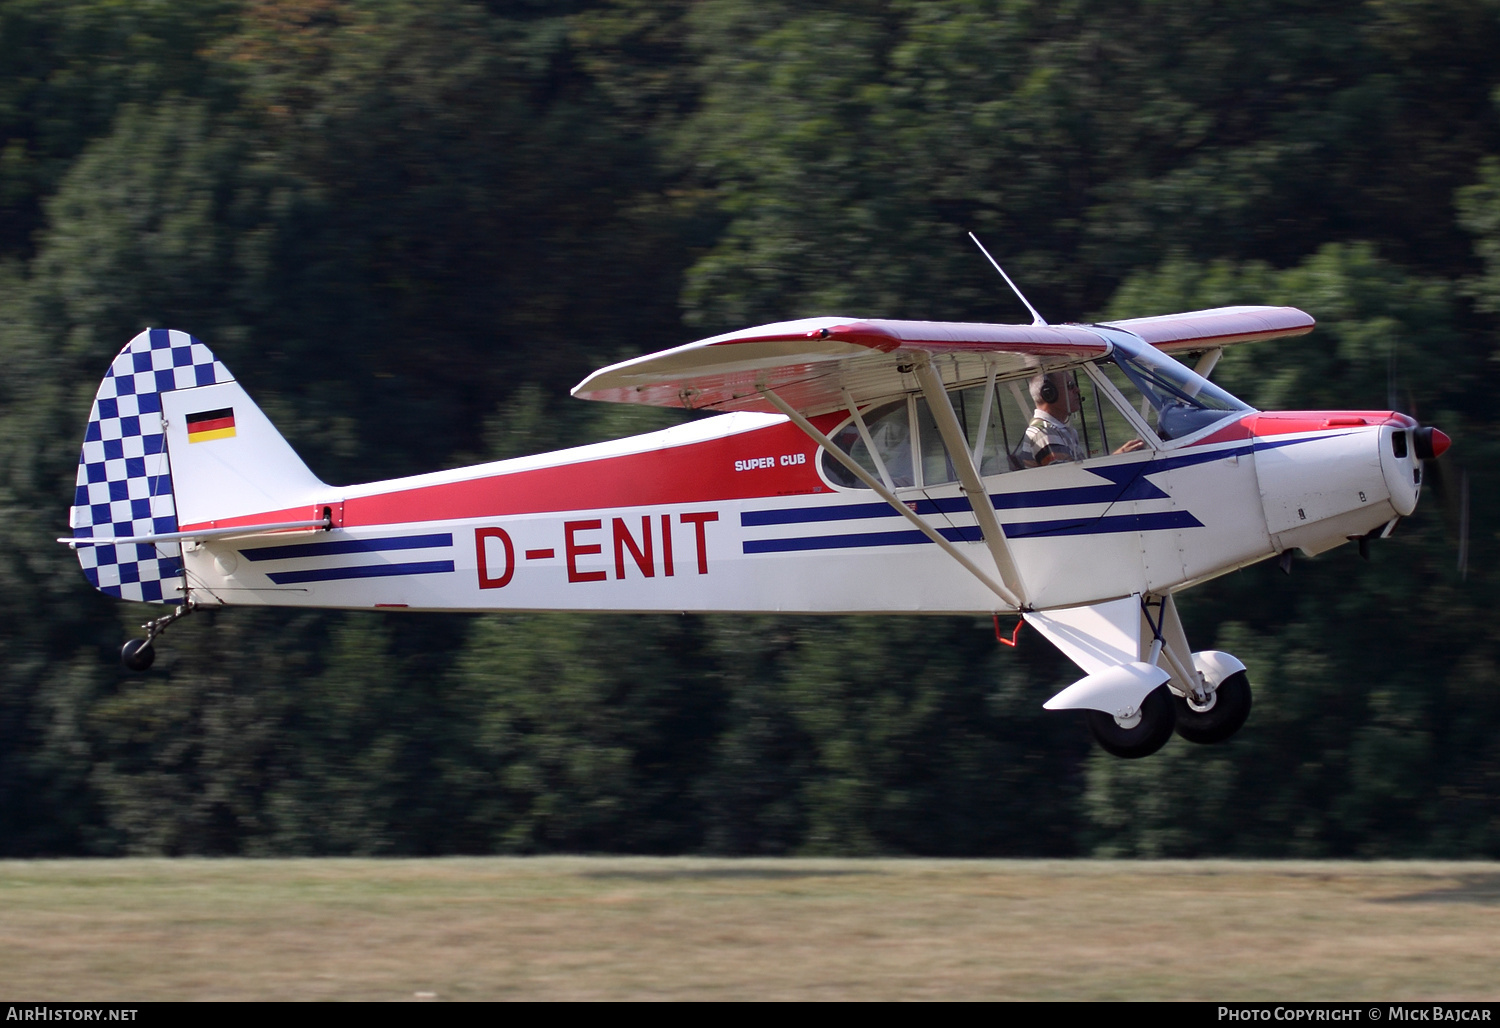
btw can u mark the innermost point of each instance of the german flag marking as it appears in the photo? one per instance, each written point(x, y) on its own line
point(210, 424)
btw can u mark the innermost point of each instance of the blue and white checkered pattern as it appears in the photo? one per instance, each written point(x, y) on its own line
point(124, 475)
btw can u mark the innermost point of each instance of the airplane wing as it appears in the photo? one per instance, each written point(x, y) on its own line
point(812, 361)
point(1221, 326)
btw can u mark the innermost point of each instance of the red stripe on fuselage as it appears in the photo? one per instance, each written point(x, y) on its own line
point(1263, 424)
point(1241, 429)
point(701, 472)
point(1285, 422)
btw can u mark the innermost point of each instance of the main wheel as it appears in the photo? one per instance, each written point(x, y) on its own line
point(137, 654)
point(1145, 736)
point(1225, 712)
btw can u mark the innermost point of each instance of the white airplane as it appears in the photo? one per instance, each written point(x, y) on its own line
point(858, 466)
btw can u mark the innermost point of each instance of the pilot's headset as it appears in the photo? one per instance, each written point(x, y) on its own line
point(1044, 387)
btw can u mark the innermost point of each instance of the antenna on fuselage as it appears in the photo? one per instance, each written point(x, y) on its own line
point(1036, 319)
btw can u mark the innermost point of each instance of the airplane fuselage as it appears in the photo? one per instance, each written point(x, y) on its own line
point(736, 513)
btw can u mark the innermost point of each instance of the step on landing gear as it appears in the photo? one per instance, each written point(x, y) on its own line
point(138, 654)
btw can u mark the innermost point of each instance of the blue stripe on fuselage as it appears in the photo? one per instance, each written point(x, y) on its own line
point(1153, 522)
point(1021, 530)
point(1129, 484)
point(431, 567)
point(1125, 482)
point(338, 546)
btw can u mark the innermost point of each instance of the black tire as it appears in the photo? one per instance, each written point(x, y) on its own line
point(1158, 715)
point(1230, 708)
point(137, 654)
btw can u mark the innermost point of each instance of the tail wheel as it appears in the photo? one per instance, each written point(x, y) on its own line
point(1139, 736)
point(1218, 719)
point(137, 654)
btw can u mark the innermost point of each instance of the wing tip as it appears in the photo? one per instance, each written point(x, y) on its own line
point(1218, 326)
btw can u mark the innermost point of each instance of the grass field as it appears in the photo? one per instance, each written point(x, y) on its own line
point(608, 928)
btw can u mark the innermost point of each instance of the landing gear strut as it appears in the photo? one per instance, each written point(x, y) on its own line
point(138, 654)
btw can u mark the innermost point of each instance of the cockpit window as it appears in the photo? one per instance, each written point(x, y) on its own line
point(889, 429)
point(993, 418)
point(1109, 405)
point(1173, 400)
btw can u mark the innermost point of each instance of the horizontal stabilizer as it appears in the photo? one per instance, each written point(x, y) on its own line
point(193, 536)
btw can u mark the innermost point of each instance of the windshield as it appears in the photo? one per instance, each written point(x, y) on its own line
point(1176, 401)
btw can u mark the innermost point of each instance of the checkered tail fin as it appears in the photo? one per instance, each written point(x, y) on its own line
point(142, 471)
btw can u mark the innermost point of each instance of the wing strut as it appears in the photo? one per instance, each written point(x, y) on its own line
point(885, 494)
point(864, 435)
point(968, 475)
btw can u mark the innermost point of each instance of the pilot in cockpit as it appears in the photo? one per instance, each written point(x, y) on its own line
point(1049, 438)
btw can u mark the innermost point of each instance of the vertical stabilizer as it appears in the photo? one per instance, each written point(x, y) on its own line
point(172, 440)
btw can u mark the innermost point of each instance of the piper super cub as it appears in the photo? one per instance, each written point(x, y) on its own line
point(1075, 474)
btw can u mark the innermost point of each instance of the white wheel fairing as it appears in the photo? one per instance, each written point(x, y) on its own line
point(1216, 665)
point(1118, 691)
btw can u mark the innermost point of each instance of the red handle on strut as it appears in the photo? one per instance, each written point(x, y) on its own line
point(1013, 636)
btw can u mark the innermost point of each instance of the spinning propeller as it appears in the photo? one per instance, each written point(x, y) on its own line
point(1429, 444)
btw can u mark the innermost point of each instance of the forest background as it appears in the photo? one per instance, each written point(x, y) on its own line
point(408, 227)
